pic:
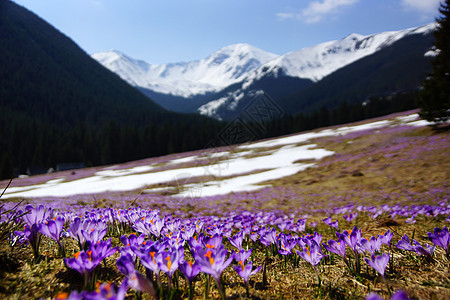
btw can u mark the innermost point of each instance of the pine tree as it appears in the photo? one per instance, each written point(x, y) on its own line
point(435, 96)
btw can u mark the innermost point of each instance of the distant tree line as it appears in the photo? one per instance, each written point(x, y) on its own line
point(26, 144)
point(345, 112)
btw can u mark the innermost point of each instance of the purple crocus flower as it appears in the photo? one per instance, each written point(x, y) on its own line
point(441, 238)
point(379, 262)
point(196, 242)
point(75, 231)
point(83, 262)
point(350, 217)
point(134, 279)
point(32, 219)
point(103, 249)
point(150, 258)
point(300, 225)
point(242, 255)
point(386, 238)
point(213, 242)
point(199, 226)
point(36, 215)
point(168, 262)
point(268, 237)
point(95, 234)
point(213, 263)
point(188, 232)
point(143, 227)
point(371, 245)
point(427, 250)
point(405, 244)
point(312, 254)
point(149, 225)
point(125, 264)
point(410, 220)
point(287, 243)
point(107, 291)
point(157, 224)
point(399, 295)
point(246, 271)
point(237, 240)
point(190, 270)
point(336, 247)
point(132, 240)
point(308, 239)
point(331, 223)
point(53, 229)
point(352, 239)
point(139, 282)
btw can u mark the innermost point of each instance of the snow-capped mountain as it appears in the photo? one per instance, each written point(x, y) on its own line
point(227, 66)
point(247, 67)
point(318, 61)
point(313, 63)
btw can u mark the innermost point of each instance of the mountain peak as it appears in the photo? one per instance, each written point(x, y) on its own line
point(244, 62)
point(354, 36)
point(226, 66)
point(243, 48)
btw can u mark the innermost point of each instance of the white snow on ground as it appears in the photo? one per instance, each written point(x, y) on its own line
point(240, 173)
point(123, 172)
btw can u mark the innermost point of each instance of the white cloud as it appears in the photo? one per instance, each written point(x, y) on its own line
point(285, 16)
point(316, 10)
point(424, 6)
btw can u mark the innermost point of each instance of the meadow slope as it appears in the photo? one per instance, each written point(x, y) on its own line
point(379, 179)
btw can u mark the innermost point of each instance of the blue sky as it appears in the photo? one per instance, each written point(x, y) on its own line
point(181, 30)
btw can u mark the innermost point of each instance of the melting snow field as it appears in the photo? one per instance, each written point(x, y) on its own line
point(243, 168)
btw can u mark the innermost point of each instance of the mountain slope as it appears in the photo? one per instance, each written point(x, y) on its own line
point(355, 69)
point(222, 68)
point(182, 87)
point(316, 62)
point(60, 105)
point(398, 68)
point(45, 74)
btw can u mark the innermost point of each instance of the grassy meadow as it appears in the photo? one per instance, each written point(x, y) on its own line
point(380, 185)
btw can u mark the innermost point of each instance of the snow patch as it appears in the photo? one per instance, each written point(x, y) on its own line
point(239, 172)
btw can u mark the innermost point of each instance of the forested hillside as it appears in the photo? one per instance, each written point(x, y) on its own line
point(59, 105)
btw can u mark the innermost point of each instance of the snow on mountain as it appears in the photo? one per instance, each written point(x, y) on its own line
point(227, 66)
point(314, 63)
point(323, 59)
point(245, 64)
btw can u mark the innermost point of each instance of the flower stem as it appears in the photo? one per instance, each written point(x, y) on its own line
point(191, 291)
point(208, 281)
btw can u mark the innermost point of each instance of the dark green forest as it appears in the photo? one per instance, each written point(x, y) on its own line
point(58, 105)
point(345, 112)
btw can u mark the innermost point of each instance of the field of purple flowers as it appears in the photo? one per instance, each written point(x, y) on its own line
point(370, 222)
